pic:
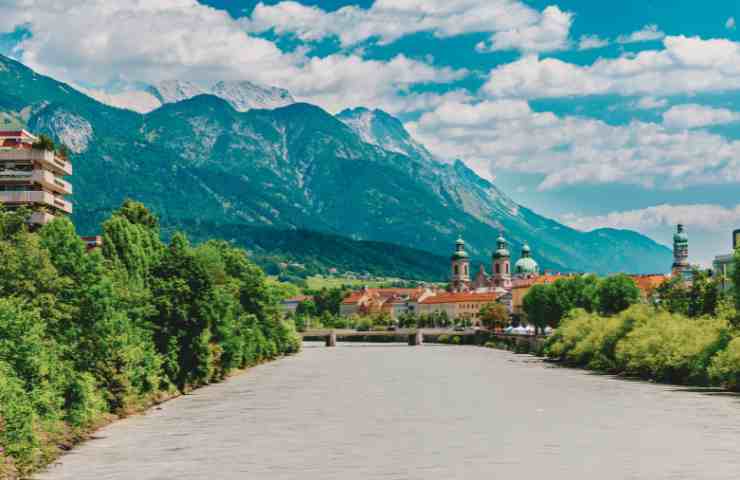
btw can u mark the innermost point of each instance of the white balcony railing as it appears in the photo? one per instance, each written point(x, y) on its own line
point(41, 218)
point(47, 158)
point(43, 198)
point(51, 181)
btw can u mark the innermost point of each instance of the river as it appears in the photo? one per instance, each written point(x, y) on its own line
point(432, 412)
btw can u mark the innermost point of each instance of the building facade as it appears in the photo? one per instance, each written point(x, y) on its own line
point(457, 306)
point(724, 265)
point(33, 177)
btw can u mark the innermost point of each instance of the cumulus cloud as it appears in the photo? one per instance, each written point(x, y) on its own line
point(730, 23)
point(684, 65)
point(508, 134)
point(697, 116)
point(650, 103)
point(646, 34)
point(513, 24)
point(590, 42)
point(548, 35)
point(101, 42)
point(707, 217)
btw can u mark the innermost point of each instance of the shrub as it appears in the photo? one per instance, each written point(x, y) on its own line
point(673, 348)
point(725, 367)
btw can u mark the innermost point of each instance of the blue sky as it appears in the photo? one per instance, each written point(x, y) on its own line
point(623, 113)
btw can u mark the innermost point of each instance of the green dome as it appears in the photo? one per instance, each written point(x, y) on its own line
point(526, 265)
point(460, 252)
point(501, 253)
point(459, 255)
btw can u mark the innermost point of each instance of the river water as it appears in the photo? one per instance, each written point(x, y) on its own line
point(433, 412)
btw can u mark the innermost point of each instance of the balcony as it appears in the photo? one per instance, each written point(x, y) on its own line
point(41, 218)
point(39, 198)
point(52, 182)
point(48, 159)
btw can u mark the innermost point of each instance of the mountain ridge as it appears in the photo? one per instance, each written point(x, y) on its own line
point(295, 167)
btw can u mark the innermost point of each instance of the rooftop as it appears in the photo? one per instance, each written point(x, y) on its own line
point(460, 298)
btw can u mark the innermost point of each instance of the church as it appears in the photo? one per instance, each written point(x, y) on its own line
point(502, 277)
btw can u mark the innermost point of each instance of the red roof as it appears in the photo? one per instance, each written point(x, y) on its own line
point(460, 298)
point(648, 283)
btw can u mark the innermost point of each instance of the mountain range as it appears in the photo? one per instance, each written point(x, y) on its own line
point(206, 162)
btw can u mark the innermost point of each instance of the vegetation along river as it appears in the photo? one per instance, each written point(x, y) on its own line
point(433, 412)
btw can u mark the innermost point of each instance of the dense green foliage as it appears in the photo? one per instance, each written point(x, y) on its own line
point(652, 343)
point(701, 297)
point(547, 304)
point(314, 253)
point(88, 335)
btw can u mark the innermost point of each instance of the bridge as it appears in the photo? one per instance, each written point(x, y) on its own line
point(414, 336)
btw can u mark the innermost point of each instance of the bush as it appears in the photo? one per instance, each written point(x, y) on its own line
point(725, 367)
point(673, 348)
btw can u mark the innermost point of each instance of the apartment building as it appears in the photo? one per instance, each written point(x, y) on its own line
point(33, 177)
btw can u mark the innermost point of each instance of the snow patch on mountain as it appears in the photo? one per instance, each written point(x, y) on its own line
point(242, 95)
point(246, 95)
point(171, 91)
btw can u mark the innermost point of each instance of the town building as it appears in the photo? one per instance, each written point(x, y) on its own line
point(289, 305)
point(457, 305)
point(724, 265)
point(521, 287)
point(33, 177)
point(392, 301)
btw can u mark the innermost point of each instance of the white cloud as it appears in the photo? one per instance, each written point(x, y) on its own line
point(590, 42)
point(509, 135)
point(513, 24)
point(697, 116)
point(730, 23)
point(101, 42)
point(549, 35)
point(646, 34)
point(684, 65)
point(708, 217)
point(650, 103)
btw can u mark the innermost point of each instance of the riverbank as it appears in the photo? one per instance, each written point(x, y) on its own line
point(651, 344)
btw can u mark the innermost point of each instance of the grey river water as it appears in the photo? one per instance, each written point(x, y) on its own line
point(432, 412)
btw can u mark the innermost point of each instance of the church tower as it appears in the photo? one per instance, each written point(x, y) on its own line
point(680, 252)
point(502, 264)
point(460, 278)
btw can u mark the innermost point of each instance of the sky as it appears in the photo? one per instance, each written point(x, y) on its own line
point(621, 114)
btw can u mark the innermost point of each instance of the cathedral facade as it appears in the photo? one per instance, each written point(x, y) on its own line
point(502, 276)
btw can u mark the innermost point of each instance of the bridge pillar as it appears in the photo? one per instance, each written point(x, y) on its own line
point(416, 339)
point(331, 340)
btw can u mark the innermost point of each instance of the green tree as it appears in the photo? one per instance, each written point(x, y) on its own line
point(494, 315)
point(736, 278)
point(616, 294)
point(538, 306)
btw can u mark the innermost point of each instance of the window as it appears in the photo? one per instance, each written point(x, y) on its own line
point(457, 270)
point(498, 268)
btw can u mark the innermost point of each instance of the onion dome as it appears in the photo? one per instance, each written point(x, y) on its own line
point(460, 252)
point(526, 265)
point(501, 248)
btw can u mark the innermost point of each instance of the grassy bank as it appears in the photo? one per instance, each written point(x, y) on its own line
point(651, 344)
point(88, 337)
